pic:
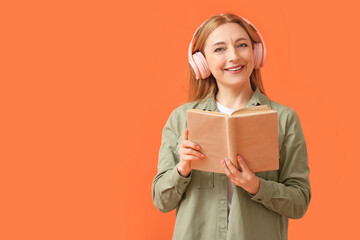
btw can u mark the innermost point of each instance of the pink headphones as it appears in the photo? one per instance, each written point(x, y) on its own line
point(200, 67)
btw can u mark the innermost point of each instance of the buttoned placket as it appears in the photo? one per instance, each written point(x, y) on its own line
point(221, 179)
point(221, 185)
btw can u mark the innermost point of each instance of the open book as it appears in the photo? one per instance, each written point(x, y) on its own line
point(251, 132)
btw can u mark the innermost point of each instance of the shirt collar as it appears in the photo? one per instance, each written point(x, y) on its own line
point(209, 103)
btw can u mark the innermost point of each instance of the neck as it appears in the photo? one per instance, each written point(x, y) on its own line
point(234, 98)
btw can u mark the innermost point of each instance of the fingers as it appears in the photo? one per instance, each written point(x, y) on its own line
point(242, 163)
point(189, 151)
point(231, 167)
point(190, 158)
point(186, 134)
point(189, 144)
point(227, 170)
point(243, 176)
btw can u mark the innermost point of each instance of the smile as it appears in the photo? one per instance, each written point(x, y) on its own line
point(235, 69)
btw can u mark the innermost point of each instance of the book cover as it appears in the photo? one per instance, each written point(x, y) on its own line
point(251, 132)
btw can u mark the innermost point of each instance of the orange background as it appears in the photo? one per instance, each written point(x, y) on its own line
point(87, 86)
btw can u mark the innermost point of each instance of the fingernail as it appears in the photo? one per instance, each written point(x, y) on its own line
point(202, 155)
point(227, 160)
point(198, 147)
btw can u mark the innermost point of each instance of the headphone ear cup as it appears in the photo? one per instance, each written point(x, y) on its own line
point(194, 68)
point(201, 65)
point(258, 55)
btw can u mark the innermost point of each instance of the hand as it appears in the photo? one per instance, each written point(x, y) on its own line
point(188, 152)
point(242, 177)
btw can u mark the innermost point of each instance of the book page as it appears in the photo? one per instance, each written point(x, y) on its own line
point(252, 110)
point(208, 112)
point(232, 136)
point(257, 141)
point(209, 131)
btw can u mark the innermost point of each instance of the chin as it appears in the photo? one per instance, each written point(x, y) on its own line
point(236, 81)
point(236, 84)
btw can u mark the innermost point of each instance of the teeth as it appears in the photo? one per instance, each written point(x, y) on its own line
point(235, 69)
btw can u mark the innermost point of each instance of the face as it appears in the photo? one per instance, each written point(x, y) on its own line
point(229, 54)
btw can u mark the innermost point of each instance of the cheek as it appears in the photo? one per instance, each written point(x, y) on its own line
point(215, 63)
point(249, 56)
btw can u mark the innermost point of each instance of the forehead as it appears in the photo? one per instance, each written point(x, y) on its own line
point(226, 32)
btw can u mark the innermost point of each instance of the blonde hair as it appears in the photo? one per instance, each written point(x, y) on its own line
point(202, 88)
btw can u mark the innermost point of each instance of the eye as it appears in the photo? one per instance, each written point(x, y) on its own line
point(242, 45)
point(218, 49)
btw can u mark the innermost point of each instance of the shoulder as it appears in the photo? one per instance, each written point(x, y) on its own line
point(180, 111)
point(285, 113)
point(177, 120)
point(289, 126)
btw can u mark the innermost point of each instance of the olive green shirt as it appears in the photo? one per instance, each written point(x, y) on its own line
point(201, 199)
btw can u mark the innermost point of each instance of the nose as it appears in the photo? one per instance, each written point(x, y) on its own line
point(233, 54)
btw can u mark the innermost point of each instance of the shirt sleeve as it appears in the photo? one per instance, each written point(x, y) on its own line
point(168, 185)
point(291, 195)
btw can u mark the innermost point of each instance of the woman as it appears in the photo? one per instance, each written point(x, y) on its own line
point(225, 55)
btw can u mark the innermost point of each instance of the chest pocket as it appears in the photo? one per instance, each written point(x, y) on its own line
point(201, 180)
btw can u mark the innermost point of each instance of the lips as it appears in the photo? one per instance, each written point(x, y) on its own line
point(235, 68)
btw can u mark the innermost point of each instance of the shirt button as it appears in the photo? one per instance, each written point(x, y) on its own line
point(259, 199)
point(186, 182)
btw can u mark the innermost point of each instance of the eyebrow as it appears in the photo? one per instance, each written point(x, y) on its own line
point(237, 40)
